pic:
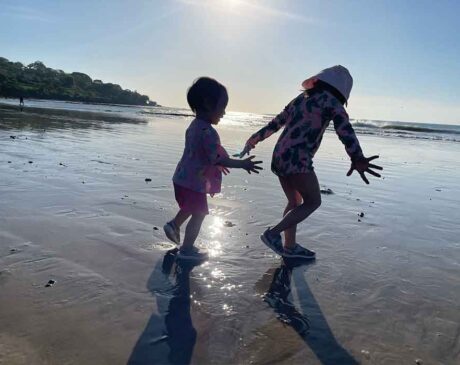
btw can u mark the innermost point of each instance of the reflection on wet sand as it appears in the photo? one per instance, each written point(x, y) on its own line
point(178, 331)
point(307, 319)
point(53, 119)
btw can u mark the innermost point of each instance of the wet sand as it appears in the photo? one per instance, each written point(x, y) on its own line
point(75, 208)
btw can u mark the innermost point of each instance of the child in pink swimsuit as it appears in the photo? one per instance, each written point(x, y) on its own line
point(304, 120)
point(199, 172)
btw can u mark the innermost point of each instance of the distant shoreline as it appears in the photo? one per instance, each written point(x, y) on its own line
point(85, 114)
point(153, 104)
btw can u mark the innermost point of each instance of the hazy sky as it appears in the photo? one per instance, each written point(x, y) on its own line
point(404, 55)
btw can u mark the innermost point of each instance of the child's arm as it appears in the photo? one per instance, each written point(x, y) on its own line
point(218, 156)
point(247, 164)
point(348, 137)
point(272, 127)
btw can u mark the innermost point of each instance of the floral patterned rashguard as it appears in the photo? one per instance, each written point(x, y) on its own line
point(305, 119)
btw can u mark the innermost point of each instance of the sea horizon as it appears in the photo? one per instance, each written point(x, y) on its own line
point(392, 128)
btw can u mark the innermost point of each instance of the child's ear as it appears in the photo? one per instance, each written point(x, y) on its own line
point(207, 104)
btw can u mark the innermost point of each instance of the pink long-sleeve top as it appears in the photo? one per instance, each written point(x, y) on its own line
point(199, 169)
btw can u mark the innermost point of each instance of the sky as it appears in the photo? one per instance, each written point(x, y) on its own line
point(403, 54)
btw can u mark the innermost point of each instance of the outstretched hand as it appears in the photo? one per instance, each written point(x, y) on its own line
point(362, 165)
point(224, 170)
point(251, 166)
point(245, 151)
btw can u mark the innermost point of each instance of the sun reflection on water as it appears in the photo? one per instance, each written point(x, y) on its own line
point(214, 248)
point(216, 226)
point(218, 274)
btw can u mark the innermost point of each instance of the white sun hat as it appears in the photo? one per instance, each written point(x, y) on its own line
point(336, 76)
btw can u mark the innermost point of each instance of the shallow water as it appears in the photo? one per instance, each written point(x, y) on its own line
point(385, 288)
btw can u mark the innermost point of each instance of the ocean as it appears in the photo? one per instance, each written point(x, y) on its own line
point(398, 129)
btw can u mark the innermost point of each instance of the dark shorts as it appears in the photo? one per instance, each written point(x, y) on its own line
point(191, 201)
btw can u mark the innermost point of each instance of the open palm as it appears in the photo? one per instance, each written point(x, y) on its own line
point(362, 165)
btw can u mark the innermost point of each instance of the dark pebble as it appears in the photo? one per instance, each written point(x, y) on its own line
point(326, 191)
point(50, 283)
point(361, 214)
point(31, 162)
point(9, 161)
point(359, 220)
point(229, 224)
point(155, 228)
point(148, 179)
point(13, 137)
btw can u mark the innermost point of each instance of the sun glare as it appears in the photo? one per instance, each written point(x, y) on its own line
point(231, 4)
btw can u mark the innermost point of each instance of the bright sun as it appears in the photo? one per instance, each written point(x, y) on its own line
point(232, 3)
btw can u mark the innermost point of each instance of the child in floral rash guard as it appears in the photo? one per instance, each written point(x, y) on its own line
point(304, 120)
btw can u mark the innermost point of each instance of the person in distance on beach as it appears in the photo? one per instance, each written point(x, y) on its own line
point(199, 172)
point(304, 120)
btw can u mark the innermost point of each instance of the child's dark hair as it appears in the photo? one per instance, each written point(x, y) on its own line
point(205, 93)
point(324, 86)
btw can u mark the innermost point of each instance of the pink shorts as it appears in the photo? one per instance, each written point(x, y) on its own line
point(191, 201)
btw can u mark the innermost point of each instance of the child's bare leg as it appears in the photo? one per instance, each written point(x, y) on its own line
point(294, 200)
point(192, 230)
point(180, 218)
point(308, 187)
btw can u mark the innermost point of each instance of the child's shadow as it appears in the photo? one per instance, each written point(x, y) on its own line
point(171, 341)
point(312, 328)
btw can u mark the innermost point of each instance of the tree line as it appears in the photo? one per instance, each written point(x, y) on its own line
point(41, 82)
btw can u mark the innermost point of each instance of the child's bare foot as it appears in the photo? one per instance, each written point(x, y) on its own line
point(172, 232)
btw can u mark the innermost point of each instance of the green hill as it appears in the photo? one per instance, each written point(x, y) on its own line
point(41, 82)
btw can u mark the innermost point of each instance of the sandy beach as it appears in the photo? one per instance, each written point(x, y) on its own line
point(77, 213)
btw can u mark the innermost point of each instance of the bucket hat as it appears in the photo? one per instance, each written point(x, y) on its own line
point(337, 76)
